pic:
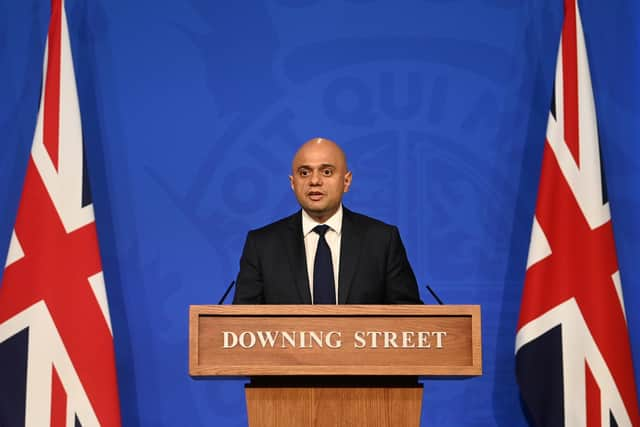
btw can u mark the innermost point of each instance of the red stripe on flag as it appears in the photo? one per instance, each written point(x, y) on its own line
point(58, 401)
point(593, 400)
point(570, 79)
point(51, 121)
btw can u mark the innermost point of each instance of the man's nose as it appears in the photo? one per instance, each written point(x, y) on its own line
point(316, 178)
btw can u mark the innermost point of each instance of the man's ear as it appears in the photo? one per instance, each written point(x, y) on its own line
point(347, 181)
point(291, 181)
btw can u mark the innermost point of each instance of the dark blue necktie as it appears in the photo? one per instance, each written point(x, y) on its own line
point(324, 291)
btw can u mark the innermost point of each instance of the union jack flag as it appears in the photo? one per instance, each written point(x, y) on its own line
point(57, 365)
point(573, 355)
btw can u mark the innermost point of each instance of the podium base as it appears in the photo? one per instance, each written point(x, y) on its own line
point(334, 401)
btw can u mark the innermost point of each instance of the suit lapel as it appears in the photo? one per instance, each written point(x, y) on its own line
point(294, 246)
point(350, 246)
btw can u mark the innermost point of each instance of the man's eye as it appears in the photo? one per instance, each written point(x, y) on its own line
point(304, 172)
point(327, 172)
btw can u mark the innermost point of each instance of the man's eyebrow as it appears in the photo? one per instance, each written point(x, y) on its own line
point(322, 166)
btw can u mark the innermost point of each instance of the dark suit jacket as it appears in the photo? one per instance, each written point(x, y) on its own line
point(373, 264)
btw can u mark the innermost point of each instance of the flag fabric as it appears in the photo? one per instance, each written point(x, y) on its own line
point(573, 355)
point(57, 364)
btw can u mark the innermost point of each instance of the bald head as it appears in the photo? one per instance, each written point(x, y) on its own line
point(319, 177)
point(320, 147)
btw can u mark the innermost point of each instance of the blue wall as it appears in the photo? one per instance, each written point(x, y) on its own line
point(193, 109)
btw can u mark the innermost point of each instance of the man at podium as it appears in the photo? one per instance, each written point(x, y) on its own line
point(324, 253)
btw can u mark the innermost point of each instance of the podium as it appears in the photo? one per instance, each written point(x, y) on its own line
point(334, 365)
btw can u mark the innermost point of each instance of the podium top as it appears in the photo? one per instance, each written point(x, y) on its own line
point(250, 340)
point(337, 309)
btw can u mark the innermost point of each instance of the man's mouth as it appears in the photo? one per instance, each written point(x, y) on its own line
point(315, 195)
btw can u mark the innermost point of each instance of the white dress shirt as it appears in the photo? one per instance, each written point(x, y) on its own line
point(332, 236)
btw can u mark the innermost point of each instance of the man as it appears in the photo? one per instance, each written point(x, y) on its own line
point(324, 254)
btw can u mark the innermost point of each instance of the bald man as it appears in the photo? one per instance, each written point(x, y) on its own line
point(324, 253)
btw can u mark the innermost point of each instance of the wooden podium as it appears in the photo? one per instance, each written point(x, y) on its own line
point(334, 365)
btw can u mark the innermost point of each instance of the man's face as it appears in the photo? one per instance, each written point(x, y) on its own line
point(320, 178)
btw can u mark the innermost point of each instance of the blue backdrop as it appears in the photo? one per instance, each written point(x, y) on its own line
point(192, 111)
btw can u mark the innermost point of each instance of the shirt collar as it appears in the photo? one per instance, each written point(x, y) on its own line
point(335, 222)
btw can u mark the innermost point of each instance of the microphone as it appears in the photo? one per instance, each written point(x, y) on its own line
point(233, 282)
point(434, 295)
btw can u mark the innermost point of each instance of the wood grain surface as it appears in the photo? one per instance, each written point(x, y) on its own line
point(459, 353)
